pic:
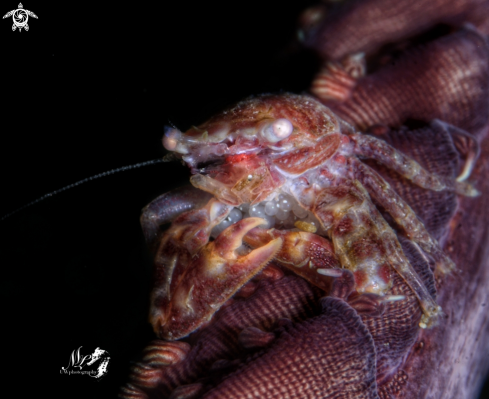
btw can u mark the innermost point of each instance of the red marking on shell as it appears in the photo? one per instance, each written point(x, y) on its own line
point(326, 174)
point(361, 278)
point(239, 158)
point(385, 273)
point(345, 226)
point(364, 247)
point(340, 159)
point(367, 222)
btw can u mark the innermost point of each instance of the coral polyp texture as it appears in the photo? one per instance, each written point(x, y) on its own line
point(322, 249)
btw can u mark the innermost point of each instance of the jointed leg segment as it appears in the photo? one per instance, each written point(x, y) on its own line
point(379, 150)
point(368, 246)
point(402, 213)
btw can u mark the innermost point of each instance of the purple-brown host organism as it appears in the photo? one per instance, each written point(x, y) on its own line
point(304, 259)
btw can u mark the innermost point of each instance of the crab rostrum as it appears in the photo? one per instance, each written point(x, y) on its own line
point(288, 184)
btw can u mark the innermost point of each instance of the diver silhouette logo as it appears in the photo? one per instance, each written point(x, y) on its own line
point(77, 360)
point(20, 16)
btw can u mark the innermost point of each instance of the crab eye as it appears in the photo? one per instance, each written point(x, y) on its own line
point(172, 140)
point(277, 130)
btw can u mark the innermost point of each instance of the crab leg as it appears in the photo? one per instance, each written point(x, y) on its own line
point(311, 257)
point(367, 246)
point(402, 214)
point(407, 167)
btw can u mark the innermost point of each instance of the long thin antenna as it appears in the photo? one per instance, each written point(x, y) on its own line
point(104, 174)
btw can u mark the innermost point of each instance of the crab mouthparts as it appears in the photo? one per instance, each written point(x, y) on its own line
point(207, 166)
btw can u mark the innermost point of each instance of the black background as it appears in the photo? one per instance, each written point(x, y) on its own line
point(88, 89)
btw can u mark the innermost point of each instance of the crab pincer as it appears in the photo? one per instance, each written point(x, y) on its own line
point(213, 276)
point(302, 252)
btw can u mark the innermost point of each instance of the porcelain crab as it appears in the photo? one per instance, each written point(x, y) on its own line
point(287, 184)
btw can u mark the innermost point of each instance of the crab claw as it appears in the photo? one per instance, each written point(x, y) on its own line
point(213, 276)
point(304, 253)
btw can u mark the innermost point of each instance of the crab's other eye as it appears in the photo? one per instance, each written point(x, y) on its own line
point(172, 140)
point(277, 130)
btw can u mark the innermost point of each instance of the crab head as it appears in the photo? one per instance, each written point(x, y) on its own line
point(246, 153)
